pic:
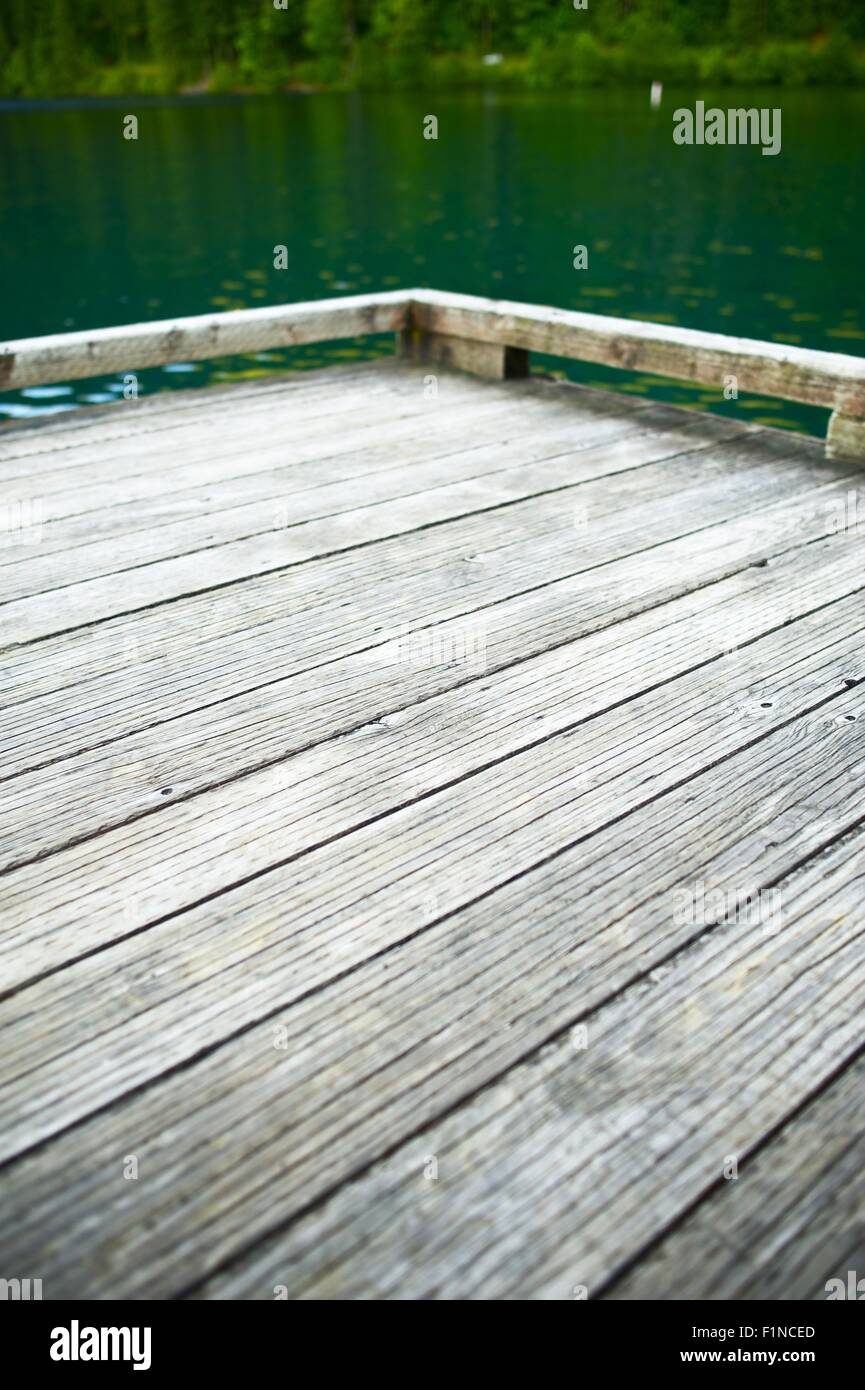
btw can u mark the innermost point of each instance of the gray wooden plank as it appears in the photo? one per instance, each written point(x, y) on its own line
point(226, 561)
point(547, 527)
point(255, 436)
point(81, 437)
point(245, 1138)
point(555, 1174)
point(792, 1222)
point(429, 789)
point(729, 614)
point(432, 450)
point(105, 785)
point(95, 443)
point(449, 569)
point(391, 857)
point(159, 536)
point(242, 733)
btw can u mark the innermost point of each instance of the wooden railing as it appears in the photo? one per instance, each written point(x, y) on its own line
point(489, 337)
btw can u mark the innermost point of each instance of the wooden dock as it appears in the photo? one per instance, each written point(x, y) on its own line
point(433, 820)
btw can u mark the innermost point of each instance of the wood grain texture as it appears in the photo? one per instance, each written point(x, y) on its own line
point(67, 356)
point(230, 739)
point(165, 562)
point(535, 734)
point(557, 1172)
point(795, 1221)
point(845, 437)
point(836, 380)
point(494, 361)
point(249, 1135)
point(317, 843)
point(475, 324)
point(112, 537)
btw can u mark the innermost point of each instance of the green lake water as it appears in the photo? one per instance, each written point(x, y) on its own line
point(98, 230)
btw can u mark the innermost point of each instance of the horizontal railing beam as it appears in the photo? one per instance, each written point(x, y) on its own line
point(73, 356)
point(830, 379)
point(433, 325)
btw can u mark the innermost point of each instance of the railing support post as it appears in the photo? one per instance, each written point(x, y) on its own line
point(845, 437)
point(494, 361)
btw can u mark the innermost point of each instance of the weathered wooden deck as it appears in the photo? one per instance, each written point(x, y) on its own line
point(377, 743)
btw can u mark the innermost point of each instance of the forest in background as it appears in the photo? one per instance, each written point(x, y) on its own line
point(155, 47)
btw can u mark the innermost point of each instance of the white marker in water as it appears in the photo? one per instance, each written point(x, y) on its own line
point(657, 92)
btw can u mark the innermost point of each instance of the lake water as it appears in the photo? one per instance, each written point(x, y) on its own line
point(98, 230)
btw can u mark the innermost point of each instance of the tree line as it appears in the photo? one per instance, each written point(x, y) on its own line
point(68, 46)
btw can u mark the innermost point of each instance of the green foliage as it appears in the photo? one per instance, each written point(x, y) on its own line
point(164, 31)
point(400, 28)
point(262, 51)
point(224, 78)
point(68, 46)
point(326, 35)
